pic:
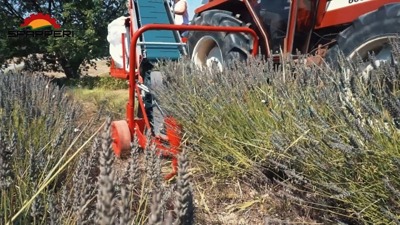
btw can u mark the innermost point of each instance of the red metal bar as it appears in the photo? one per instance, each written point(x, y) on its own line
point(141, 30)
point(141, 105)
point(120, 72)
point(260, 27)
point(288, 45)
point(209, 5)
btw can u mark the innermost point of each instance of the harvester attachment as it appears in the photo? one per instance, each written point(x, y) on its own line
point(131, 57)
point(162, 42)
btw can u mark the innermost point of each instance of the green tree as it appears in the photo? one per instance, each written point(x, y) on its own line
point(88, 19)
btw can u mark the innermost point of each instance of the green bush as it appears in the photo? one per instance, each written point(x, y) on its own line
point(89, 82)
point(330, 139)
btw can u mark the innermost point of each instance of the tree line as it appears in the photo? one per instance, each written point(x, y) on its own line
point(86, 19)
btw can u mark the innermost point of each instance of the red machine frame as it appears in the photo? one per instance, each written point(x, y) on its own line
point(137, 126)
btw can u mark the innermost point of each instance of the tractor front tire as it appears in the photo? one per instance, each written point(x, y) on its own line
point(222, 48)
point(370, 33)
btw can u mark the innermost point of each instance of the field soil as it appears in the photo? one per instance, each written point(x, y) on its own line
point(101, 69)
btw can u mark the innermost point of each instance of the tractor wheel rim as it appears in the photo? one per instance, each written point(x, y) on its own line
point(207, 53)
point(382, 49)
point(214, 58)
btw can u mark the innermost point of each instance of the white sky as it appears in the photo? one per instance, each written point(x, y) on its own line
point(192, 5)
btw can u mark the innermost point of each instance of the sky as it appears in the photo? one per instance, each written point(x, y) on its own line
point(192, 5)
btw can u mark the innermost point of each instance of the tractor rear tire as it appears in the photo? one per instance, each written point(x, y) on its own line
point(368, 34)
point(157, 115)
point(225, 48)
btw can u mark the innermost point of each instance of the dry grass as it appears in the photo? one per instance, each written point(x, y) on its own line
point(112, 102)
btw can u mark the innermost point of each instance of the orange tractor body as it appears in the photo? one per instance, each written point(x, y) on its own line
point(306, 25)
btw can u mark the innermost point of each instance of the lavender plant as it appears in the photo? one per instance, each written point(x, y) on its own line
point(37, 121)
point(38, 130)
point(329, 138)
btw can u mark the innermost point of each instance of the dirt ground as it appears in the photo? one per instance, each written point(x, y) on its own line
point(102, 69)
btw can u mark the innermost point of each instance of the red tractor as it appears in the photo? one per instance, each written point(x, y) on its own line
point(295, 28)
point(225, 30)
